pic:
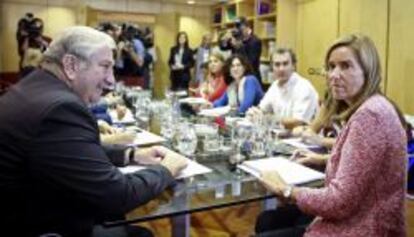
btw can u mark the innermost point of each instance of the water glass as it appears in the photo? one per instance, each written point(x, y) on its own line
point(187, 139)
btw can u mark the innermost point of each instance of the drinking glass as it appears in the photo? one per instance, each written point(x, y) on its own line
point(187, 139)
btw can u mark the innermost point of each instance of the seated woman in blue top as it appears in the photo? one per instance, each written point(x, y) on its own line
point(243, 88)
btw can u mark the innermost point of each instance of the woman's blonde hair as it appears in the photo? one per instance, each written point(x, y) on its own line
point(218, 56)
point(337, 111)
point(367, 56)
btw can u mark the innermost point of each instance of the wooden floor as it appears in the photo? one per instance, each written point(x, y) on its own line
point(235, 222)
point(410, 217)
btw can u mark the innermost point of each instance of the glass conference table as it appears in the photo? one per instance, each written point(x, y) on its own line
point(223, 187)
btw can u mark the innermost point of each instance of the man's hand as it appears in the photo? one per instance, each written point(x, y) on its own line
point(105, 128)
point(150, 156)
point(120, 111)
point(174, 162)
point(254, 113)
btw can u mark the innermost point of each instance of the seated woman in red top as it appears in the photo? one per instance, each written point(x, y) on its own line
point(364, 188)
point(214, 86)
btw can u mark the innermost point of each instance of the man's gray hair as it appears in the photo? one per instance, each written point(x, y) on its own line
point(80, 41)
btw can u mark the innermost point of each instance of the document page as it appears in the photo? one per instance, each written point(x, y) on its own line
point(291, 172)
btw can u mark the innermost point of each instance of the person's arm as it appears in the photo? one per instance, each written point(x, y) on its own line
point(171, 61)
point(254, 49)
point(268, 99)
point(188, 60)
point(305, 105)
point(135, 55)
point(218, 91)
point(290, 123)
point(80, 168)
point(360, 163)
point(222, 101)
point(249, 95)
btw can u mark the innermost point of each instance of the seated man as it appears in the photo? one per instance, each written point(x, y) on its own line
point(55, 175)
point(291, 97)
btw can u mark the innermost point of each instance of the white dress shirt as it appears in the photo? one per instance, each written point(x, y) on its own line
point(297, 99)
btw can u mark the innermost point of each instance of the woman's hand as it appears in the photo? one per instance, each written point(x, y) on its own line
point(309, 158)
point(273, 182)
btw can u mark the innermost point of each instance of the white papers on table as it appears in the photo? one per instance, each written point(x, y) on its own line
point(238, 121)
point(193, 168)
point(127, 119)
point(291, 172)
point(215, 112)
point(298, 143)
point(144, 138)
point(194, 100)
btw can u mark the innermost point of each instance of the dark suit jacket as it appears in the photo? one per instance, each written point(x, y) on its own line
point(187, 60)
point(54, 174)
point(181, 78)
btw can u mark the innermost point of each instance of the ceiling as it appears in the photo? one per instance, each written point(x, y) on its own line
point(197, 2)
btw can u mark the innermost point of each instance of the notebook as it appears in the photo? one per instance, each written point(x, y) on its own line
point(215, 112)
point(291, 172)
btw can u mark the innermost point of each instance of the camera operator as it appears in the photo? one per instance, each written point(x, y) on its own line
point(30, 35)
point(242, 40)
point(130, 54)
point(233, 40)
point(147, 38)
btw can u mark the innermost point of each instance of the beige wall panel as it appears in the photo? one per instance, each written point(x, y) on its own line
point(195, 28)
point(400, 83)
point(59, 18)
point(286, 29)
point(368, 17)
point(317, 29)
point(1, 38)
point(55, 19)
point(45, 2)
point(166, 28)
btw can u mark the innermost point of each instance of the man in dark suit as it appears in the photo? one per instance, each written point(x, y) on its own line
point(54, 174)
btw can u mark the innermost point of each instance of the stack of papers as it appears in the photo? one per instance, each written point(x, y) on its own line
point(291, 172)
point(299, 143)
point(193, 168)
point(215, 112)
point(194, 100)
point(127, 119)
point(145, 138)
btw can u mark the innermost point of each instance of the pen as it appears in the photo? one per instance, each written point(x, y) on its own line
point(296, 154)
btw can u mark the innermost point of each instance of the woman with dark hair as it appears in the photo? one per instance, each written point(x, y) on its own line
point(243, 88)
point(181, 60)
point(364, 189)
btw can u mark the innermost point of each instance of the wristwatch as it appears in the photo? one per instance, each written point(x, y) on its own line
point(287, 191)
point(129, 155)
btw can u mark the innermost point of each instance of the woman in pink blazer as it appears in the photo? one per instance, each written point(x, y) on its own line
point(364, 189)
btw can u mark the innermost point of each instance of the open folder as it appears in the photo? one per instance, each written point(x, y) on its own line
point(291, 172)
point(145, 138)
point(193, 168)
point(215, 112)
